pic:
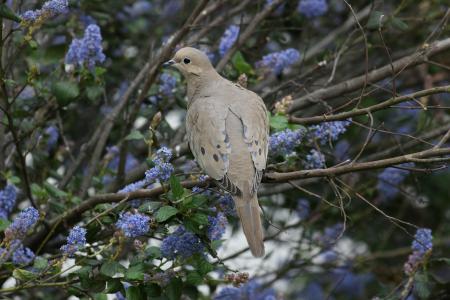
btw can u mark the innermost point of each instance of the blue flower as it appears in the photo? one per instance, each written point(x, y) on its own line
point(8, 198)
point(228, 39)
point(226, 204)
point(49, 9)
point(328, 131)
point(312, 8)
point(138, 8)
point(168, 84)
point(133, 225)
point(22, 256)
point(278, 61)
point(284, 142)
point(161, 171)
point(87, 50)
point(181, 243)
point(390, 179)
point(252, 290)
point(217, 226)
point(314, 160)
point(164, 153)
point(53, 134)
point(312, 291)
point(422, 240)
point(22, 223)
point(133, 186)
point(75, 241)
point(353, 285)
point(330, 235)
point(303, 209)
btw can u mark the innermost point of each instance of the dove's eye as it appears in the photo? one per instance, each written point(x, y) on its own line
point(186, 60)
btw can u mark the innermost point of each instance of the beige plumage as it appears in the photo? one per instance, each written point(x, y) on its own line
point(227, 129)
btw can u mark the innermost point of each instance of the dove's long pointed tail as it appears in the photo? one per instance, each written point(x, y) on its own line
point(248, 211)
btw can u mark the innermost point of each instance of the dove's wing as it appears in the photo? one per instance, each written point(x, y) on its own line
point(207, 136)
point(253, 114)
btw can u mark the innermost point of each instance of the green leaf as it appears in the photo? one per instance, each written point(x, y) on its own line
point(113, 286)
point(65, 91)
point(399, 24)
point(134, 135)
point(93, 92)
point(374, 20)
point(135, 272)
point(240, 64)
point(38, 191)
point(153, 252)
point(110, 268)
point(422, 286)
point(40, 263)
point(23, 274)
point(194, 278)
point(135, 293)
point(4, 224)
point(278, 122)
point(54, 191)
point(7, 13)
point(165, 213)
point(152, 290)
point(101, 296)
point(176, 187)
point(174, 288)
point(200, 218)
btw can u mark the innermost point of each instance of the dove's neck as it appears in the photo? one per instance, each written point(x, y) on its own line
point(199, 84)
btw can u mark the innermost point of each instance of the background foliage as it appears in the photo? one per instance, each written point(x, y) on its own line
point(99, 193)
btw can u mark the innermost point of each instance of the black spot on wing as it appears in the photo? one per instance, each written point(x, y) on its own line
point(216, 157)
point(203, 150)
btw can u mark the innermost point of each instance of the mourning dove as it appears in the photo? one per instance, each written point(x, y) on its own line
point(227, 128)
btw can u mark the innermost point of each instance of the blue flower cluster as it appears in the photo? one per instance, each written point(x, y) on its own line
point(330, 235)
point(75, 241)
point(181, 243)
point(217, 226)
point(18, 254)
point(226, 204)
point(328, 131)
point(252, 290)
point(49, 9)
point(162, 169)
point(168, 83)
point(303, 209)
point(284, 142)
point(133, 225)
point(22, 223)
point(389, 181)
point(87, 50)
point(423, 242)
point(278, 61)
point(314, 160)
point(228, 39)
point(8, 198)
point(52, 133)
point(312, 8)
point(22, 255)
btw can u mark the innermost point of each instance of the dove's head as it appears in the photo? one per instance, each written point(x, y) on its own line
point(191, 62)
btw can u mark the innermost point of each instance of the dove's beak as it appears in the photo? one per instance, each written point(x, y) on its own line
point(169, 63)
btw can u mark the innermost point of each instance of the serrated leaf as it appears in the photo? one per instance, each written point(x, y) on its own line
point(135, 135)
point(54, 191)
point(40, 263)
point(65, 91)
point(7, 13)
point(113, 286)
point(153, 252)
point(200, 218)
point(176, 187)
point(152, 290)
point(135, 293)
point(4, 224)
point(111, 268)
point(165, 212)
point(194, 278)
point(422, 286)
point(240, 64)
point(278, 122)
point(174, 288)
point(399, 24)
point(23, 274)
point(135, 272)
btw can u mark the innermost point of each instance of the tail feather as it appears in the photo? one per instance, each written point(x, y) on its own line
point(248, 212)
